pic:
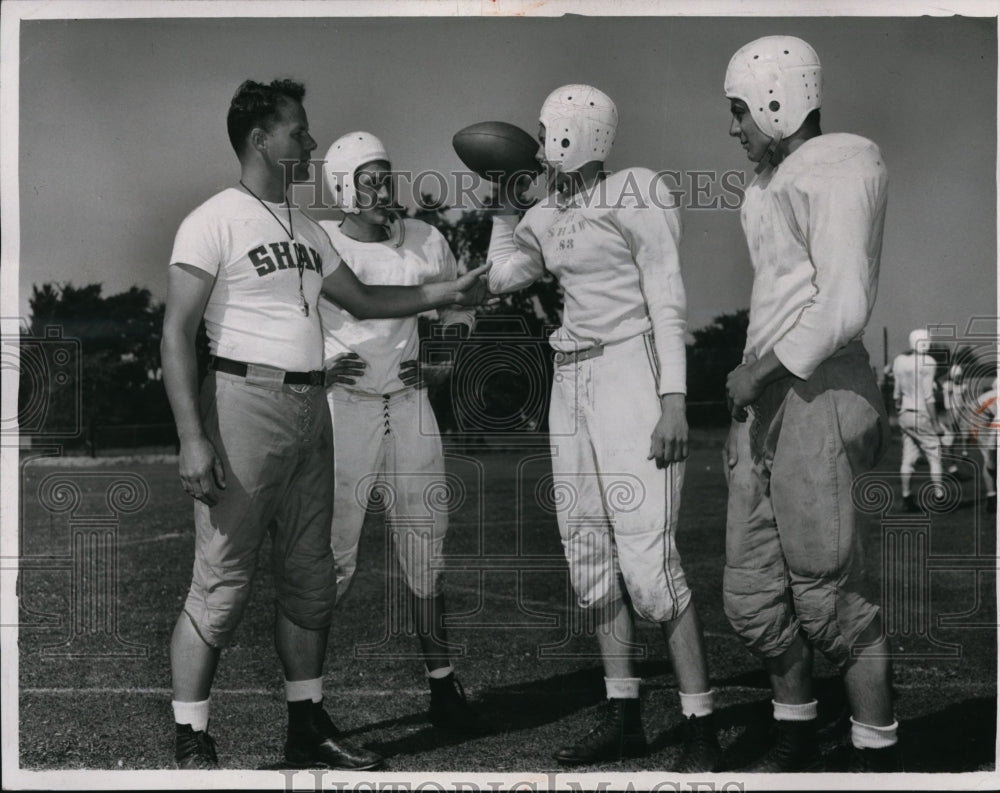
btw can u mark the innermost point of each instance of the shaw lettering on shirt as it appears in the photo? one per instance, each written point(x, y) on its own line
point(305, 257)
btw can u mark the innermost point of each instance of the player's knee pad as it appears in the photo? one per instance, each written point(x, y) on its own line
point(832, 617)
point(591, 568)
point(756, 603)
point(661, 606)
point(217, 612)
point(658, 592)
point(310, 606)
point(820, 627)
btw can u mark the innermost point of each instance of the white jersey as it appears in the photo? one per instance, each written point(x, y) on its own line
point(254, 312)
point(383, 344)
point(913, 380)
point(814, 227)
point(615, 254)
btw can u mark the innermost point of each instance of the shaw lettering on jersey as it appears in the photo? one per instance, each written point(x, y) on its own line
point(264, 263)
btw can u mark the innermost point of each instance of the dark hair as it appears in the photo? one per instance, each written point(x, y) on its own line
point(257, 105)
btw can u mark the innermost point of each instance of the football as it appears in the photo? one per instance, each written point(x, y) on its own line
point(495, 148)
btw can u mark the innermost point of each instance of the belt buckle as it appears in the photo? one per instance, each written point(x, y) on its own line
point(317, 378)
point(264, 376)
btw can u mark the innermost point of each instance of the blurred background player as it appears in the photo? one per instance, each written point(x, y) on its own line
point(913, 374)
point(984, 426)
point(611, 240)
point(383, 425)
point(954, 424)
point(256, 449)
point(794, 576)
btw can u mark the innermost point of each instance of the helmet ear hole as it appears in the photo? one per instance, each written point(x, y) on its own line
point(580, 122)
point(774, 105)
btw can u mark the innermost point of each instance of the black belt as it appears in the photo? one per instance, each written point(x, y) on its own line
point(240, 369)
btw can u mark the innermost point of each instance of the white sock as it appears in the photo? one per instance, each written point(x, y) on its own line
point(622, 687)
point(868, 736)
point(298, 690)
point(806, 712)
point(193, 713)
point(440, 674)
point(697, 704)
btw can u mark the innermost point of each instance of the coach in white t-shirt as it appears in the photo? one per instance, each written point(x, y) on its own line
point(256, 447)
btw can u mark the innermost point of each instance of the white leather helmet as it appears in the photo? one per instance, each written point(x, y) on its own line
point(781, 81)
point(343, 158)
point(580, 123)
point(920, 340)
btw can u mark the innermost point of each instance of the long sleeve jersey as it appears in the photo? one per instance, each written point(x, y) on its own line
point(614, 251)
point(814, 227)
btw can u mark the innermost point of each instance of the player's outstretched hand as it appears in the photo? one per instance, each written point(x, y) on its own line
point(472, 288)
point(669, 441)
point(346, 370)
point(201, 471)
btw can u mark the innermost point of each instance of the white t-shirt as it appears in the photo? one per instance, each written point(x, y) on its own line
point(423, 258)
point(615, 254)
point(254, 312)
point(814, 228)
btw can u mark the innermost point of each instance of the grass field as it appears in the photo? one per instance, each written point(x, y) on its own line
point(99, 596)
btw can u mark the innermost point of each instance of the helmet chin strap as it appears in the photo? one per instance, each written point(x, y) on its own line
point(768, 158)
point(394, 219)
point(395, 224)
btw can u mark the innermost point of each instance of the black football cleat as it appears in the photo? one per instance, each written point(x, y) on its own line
point(194, 750)
point(618, 735)
point(315, 742)
point(450, 710)
point(875, 761)
point(702, 753)
point(795, 749)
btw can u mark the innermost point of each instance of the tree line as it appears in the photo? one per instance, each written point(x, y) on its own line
point(92, 360)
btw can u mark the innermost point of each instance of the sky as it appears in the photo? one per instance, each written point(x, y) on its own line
point(121, 129)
